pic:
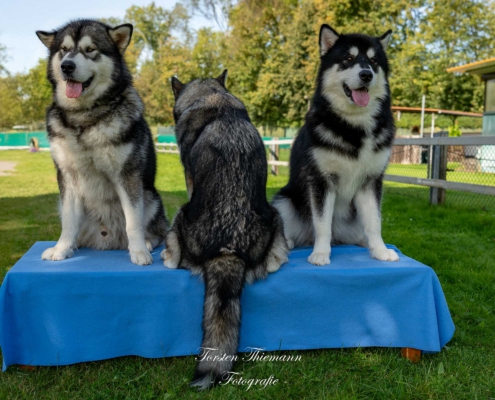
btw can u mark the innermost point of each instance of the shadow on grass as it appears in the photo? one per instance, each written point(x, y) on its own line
point(24, 221)
point(27, 220)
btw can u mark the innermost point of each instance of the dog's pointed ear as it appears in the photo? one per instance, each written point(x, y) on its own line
point(222, 78)
point(46, 38)
point(177, 87)
point(328, 37)
point(385, 39)
point(121, 36)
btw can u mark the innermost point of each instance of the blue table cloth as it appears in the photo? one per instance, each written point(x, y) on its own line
point(98, 305)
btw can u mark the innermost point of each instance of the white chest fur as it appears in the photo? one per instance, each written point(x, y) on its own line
point(352, 173)
point(92, 152)
point(90, 164)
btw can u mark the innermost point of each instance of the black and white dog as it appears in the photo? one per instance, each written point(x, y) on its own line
point(340, 154)
point(101, 145)
point(227, 232)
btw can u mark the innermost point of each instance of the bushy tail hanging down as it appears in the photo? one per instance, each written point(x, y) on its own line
point(224, 278)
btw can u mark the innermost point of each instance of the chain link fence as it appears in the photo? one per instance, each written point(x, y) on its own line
point(472, 165)
point(453, 171)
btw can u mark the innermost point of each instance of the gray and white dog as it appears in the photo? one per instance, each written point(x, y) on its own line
point(101, 145)
point(227, 232)
point(340, 154)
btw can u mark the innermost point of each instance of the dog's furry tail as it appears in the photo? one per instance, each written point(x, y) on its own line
point(224, 278)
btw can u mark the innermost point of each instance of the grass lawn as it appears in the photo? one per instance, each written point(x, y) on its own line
point(456, 241)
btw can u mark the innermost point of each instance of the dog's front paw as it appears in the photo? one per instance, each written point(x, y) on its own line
point(141, 257)
point(319, 258)
point(168, 259)
point(290, 244)
point(55, 254)
point(275, 263)
point(385, 255)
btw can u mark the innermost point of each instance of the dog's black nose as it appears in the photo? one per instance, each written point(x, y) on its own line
point(366, 75)
point(68, 67)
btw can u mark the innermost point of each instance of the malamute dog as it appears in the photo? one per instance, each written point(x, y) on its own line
point(340, 154)
point(227, 232)
point(101, 145)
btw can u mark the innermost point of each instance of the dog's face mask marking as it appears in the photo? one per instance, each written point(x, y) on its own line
point(83, 61)
point(355, 68)
point(78, 65)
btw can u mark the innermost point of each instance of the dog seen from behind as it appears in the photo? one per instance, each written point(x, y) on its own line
point(227, 232)
point(101, 145)
point(340, 154)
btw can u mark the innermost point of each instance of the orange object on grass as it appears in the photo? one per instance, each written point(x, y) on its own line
point(411, 354)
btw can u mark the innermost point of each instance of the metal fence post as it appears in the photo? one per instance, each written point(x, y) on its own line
point(277, 155)
point(438, 170)
point(273, 156)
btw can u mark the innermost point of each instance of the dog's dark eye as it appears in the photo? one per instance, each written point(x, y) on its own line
point(90, 50)
point(64, 48)
point(349, 58)
point(373, 60)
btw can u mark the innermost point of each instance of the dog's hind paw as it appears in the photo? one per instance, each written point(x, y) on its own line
point(203, 383)
point(55, 254)
point(141, 257)
point(385, 255)
point(207, 380)
point(168, 259)
point(319, 258)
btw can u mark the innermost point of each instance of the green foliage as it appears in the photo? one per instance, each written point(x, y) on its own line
point(36, 92)
point(24, 97)
point(274, 51)
point(10, 102)
point(454, 130)
point(270, 48)
point(409, 120)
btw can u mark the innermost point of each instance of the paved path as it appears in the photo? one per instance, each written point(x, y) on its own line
point(7, 167)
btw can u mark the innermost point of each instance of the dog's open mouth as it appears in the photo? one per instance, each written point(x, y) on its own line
point(360, 96)
point(74, 89)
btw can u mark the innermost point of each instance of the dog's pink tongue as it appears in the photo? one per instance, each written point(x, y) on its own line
point(361, 97)
point(73, 89)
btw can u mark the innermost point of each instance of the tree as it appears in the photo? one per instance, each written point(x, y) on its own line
point(270, 48)
point(218, 10)
point(10, 102)
point(36, 92)
point(253, 40)
point(3, 58)
point(456, 32)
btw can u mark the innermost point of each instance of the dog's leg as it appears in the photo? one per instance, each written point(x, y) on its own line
point(71, 213)
point(279, 251)
point(171, 256)
point(368, 210)
point(292, 227)
point(321, 213)
point(131, 198)
point(152, 242)
point(155, 221)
